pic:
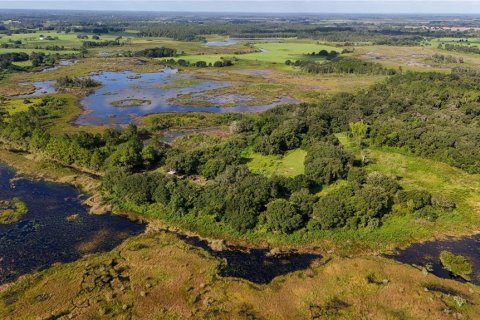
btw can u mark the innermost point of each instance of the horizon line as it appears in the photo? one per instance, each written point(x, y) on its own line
point(245, 12)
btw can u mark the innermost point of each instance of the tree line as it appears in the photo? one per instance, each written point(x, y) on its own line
point(344, 65)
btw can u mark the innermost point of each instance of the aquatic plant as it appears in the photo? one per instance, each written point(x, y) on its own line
point(12, 210)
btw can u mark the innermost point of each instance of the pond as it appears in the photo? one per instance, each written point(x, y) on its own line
point(125, 96)
point(56, 227)
point(428, 254)
point(256, 265)
point(224, 43)
point(41, 87)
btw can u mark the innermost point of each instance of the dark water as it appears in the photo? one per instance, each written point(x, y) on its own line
point(255, 265)
point(421, 254)
point(44, 236)
point(154, 87)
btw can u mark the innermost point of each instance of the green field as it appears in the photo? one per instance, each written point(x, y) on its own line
point(273, 52)
point(472, 41)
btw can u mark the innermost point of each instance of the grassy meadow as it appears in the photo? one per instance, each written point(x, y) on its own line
point(268, 52)
point(288, 165)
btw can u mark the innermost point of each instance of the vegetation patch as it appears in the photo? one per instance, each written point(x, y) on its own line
point(12, 106)
point(456, 264)
point(127, 103)
point(12, 210)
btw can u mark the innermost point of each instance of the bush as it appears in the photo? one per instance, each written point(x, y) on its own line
point(414, 199)
point(303, 201)
point(281, 216)
point(442, 202)
point(427, 213)
point(330, 212)
point(326, 163)
point(371, 202)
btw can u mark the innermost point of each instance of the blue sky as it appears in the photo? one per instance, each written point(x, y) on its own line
point(259, 6)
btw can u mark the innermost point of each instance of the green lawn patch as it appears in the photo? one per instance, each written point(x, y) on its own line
point(288, 165)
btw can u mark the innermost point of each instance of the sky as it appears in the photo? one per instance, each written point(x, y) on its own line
point(258, 6)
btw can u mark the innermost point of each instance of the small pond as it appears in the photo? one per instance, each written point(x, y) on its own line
point(224, 43)
point(255, 265)
point(428, 253)
point(125, 96)
point(56, 228)
point(41, 87)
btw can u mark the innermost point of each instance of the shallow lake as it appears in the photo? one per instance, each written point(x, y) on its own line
point(48, 232)
point(428, 253)
point(147, 93)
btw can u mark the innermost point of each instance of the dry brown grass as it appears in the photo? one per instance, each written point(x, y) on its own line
point(170, 280)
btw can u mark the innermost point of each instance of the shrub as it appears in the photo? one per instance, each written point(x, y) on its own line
point(330, 212)
point(326, 163)
point(442, 202)
point(281, 216)
point(427, 213)
point(414, 199)
point(303, 201)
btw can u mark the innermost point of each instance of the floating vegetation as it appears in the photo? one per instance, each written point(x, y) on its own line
point(126, 103)
point(12, 210)
point(456, 264)
point(133, 77)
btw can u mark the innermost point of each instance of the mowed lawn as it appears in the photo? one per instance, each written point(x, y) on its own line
point(289, 165)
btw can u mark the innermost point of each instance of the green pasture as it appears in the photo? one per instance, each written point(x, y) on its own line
point(268, 52)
